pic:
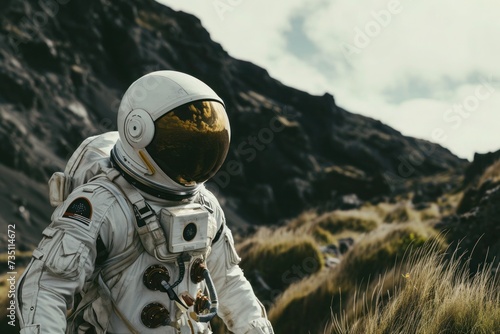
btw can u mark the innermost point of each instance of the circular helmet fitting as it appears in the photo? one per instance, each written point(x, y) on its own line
point(174, 133)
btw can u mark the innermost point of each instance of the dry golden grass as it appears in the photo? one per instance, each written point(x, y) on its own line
point(305, 305)
point(280, 256)
point(433, 294)
point(433, 212)
point(448, 203)
point(329, 227)
point(403, 211)
point(491, 174)
point(351, 220)
point(303, 222)
point(379, 250)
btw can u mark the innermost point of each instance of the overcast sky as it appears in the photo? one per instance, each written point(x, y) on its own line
point(430, 69)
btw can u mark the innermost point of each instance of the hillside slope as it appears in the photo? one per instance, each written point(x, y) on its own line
point(63, 69)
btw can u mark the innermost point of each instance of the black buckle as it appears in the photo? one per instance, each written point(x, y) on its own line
point(141, 215)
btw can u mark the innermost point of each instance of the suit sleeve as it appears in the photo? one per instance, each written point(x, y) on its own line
point(60, 265)
point(240, 309)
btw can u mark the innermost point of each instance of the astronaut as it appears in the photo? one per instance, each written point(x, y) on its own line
point(141, 246)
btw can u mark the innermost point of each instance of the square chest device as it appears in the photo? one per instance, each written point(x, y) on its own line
point(186, 227)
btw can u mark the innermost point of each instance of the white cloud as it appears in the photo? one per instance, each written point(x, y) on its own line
point(422, 59)
point(255, 31)
point(426, 39)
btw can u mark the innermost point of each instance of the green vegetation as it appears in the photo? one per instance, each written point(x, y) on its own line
point(306, 305)
point(275, 255)
point(404, 211)
point(339, 221)
point(379, 251)
point(398, 277)
point(401, 213)
point(436, 295)
point(334, 289)
point(425, 291)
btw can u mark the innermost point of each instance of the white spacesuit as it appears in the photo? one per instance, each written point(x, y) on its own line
point(140, 246)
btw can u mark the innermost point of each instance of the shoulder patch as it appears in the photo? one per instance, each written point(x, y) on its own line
point(80, 210)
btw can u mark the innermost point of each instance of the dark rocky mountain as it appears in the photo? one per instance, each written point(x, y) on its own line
point(476, 224)
point(65, 64)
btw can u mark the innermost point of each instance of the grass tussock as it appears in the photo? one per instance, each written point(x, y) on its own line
point(405, 211)
point(280, 257)
point(352, 220)
point(401, 213)
point(305, 306)
point(449, 203)
point(329, 227)
point(430, 213)
point(435, 295)
point(380, 250)
point(334, 289)
point(303, 222)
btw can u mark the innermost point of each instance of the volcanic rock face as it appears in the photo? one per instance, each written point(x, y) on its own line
point(477, 222)
point(64, 65)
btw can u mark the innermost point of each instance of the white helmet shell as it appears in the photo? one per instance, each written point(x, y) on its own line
point(141, 111)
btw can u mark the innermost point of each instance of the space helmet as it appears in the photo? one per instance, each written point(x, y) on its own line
point(174, 134)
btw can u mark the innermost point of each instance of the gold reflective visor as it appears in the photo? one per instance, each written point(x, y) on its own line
point(191, 141)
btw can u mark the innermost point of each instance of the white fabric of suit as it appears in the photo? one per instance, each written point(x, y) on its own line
point(65, 260)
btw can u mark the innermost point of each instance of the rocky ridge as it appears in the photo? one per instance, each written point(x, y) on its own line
point(65, 64)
